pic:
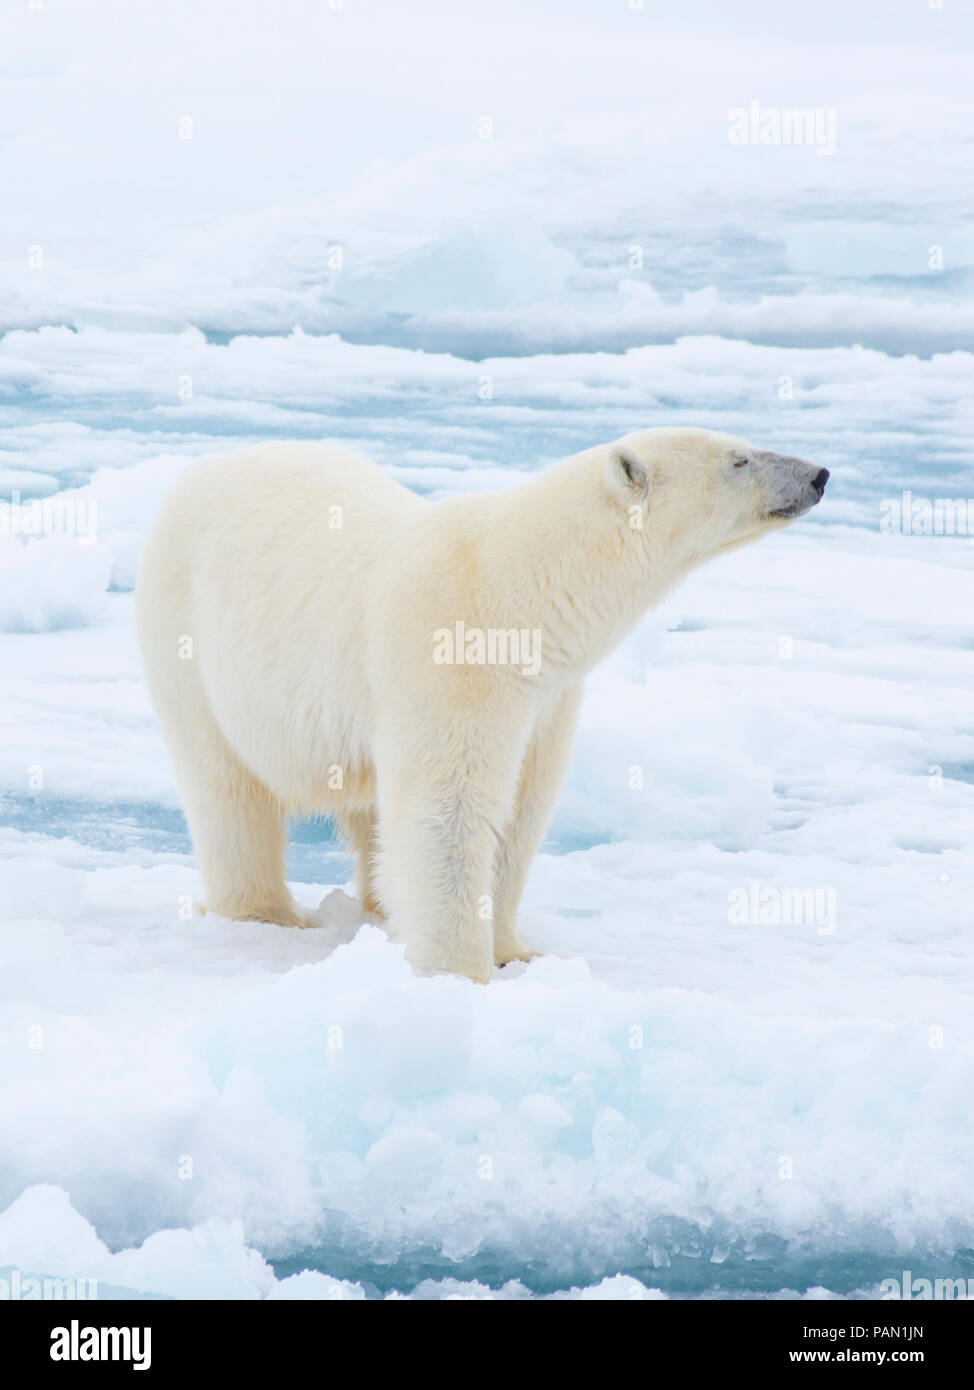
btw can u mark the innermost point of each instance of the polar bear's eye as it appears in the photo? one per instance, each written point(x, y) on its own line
point(740, 462)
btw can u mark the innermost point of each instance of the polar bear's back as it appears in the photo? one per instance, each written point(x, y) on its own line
point(296, 480)
point(281, 520)
point(264, 559)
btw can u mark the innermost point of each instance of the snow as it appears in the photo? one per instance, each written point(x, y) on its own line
point(50, 583)
point(680, 1097)
point(623, 1104)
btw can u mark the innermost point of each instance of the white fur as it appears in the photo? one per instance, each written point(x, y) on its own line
point(313, 591)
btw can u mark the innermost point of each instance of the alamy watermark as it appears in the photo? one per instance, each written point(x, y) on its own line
point(491, 646)
point(77, 1343)
point(755, 124)
point(50, 516)
point(909, 1288)
point(755, 906)
point(17, 1287)
point(908, 515)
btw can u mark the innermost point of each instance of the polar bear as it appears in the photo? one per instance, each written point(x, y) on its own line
point(317, 638)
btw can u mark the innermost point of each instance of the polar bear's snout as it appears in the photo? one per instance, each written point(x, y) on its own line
point(796, 486)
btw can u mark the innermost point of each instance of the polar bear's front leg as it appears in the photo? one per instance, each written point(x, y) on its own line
point(439, 828)
point(433, 874)
point(539, 784)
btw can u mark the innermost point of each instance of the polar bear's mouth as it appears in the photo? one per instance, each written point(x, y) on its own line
point(796, 509)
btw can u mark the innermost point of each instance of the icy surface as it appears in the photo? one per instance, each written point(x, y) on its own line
point(673, 1101)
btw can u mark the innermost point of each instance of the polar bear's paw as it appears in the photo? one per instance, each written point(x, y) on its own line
point(289, 917)
point(275, 915)
point(515, 950)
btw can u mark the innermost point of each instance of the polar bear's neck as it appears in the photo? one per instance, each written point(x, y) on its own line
point(567, 557)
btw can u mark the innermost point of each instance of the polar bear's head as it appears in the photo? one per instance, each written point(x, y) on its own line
point(703, 492)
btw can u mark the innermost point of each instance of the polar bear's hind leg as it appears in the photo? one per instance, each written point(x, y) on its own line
point(237, 826)
point(360, 827)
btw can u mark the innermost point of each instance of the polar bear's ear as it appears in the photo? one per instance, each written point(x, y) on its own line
point(625, 471)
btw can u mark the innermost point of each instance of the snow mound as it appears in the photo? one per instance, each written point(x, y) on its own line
point(51, 583)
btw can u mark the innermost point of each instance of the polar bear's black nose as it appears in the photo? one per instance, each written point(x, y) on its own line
point(820, 479)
